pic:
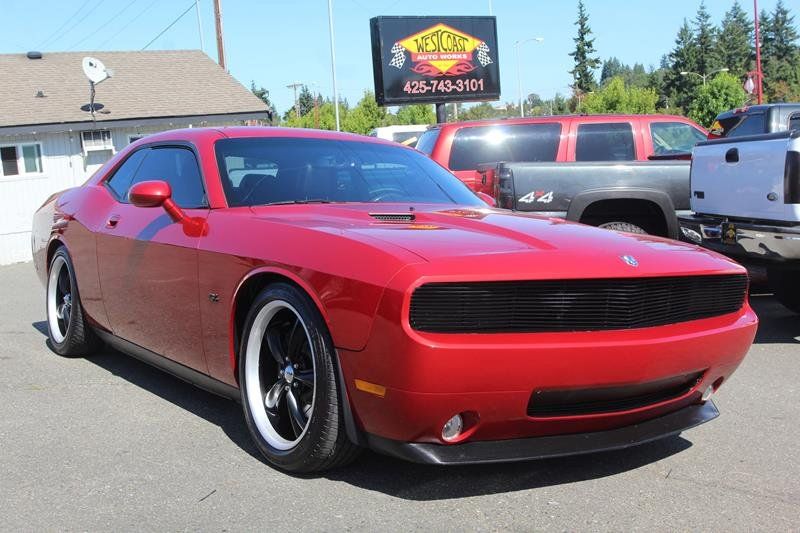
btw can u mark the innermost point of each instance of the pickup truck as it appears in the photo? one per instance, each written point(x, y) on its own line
point(622, 172)
point(746, 203)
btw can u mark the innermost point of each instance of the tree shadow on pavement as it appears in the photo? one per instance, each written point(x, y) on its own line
point(387, 475)
point(776, 323)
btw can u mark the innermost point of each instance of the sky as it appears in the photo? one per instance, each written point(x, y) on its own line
point(278, 42)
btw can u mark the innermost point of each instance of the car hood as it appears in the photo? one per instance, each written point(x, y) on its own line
point(501, 241)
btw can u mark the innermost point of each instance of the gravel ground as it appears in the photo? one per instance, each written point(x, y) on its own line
point(109, 443)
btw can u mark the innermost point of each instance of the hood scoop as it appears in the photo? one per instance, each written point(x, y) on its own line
point(393, 217)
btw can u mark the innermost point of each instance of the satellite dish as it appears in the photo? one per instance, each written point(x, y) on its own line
point(95, 70)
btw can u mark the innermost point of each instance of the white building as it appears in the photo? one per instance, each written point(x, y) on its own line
point(49, 143)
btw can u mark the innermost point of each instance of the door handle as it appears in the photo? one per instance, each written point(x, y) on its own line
point(732, 155)
point(112, 221)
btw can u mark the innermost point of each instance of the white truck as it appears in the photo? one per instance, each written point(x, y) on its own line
point(745, 195)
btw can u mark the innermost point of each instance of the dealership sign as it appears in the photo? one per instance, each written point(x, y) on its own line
point(434, 59)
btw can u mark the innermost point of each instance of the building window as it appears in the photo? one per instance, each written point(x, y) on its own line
point(96, 140)
point(21, 159)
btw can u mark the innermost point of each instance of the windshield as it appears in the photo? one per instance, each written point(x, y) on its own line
point(263, 171)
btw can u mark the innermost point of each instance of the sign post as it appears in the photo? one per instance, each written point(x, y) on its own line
point(424, 60)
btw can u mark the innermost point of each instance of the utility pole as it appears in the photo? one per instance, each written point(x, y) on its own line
point(199, 25)
point(220, 41)
point(760, 76)
point(333, 64)
point(295, 86)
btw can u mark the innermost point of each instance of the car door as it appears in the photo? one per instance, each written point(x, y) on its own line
point(148, 263)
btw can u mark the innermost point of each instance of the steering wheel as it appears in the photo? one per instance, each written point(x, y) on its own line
point(381, 195)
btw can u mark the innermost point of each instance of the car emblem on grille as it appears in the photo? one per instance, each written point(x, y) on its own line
point(629, 260)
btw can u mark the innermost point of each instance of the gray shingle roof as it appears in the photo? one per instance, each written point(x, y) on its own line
point(148, 84)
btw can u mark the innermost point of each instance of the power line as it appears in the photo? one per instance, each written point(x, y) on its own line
point(69, 19)
point(170, 25)
point(102, 26)
point(77, 22)
point(125, 27)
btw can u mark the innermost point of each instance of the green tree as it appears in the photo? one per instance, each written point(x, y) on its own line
point(615, 97)
point(482, 111)
point(722, 93)
point(585, 61)
point(705, 41)
point(780, 53)
point(415, 114)
point(366, 115)
point(263, 94)
point(735, 50)
point(326, 117)
point(683, 58)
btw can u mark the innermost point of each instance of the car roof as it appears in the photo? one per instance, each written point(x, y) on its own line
point(241, 132)
point(560, 118)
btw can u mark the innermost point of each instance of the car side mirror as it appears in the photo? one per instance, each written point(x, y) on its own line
point(156, 193)
point(486, 198)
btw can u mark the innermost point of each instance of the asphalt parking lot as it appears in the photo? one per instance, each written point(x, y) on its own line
point(109, 443)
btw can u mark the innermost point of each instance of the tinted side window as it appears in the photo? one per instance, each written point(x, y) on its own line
point(120, 182)
point(178, 167)
point(428, 140)
point(512, 143)
point(605, 142)
point(794, 121)
point(674, 137)
point(739, 125)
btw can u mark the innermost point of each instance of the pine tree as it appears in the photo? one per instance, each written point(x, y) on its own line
point(780, 53)
point(683, 58)
point(612, 67)
point(585, 61)
point(705, 38)
point(735, 50)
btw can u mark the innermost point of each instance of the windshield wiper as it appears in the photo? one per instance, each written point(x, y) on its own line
point(308, 201)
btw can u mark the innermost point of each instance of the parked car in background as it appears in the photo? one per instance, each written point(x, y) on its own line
point(623, 172)
point(756, 120)
point(351, 292)
point(746, 196)
point(405, 134)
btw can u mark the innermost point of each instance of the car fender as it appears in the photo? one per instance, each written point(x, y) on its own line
point(584, 199)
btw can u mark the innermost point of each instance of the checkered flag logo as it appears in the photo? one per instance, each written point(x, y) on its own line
point(399, 57)
point(483, 55)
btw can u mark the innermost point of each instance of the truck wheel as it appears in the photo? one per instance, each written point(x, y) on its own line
point(627, 227)
point(785, 285)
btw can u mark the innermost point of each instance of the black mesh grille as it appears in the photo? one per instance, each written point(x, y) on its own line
point(393, 217)
point(573, 305)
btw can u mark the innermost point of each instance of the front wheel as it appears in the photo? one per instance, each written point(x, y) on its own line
point(67, 329)
point(288, 383)
point(786, 286)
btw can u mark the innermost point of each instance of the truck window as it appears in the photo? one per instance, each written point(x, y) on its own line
point(409, 138)
point(428, 140)
point(739, 125)
point(611, 141)
point(504, 142)
point(674, 137)
point(794, 121)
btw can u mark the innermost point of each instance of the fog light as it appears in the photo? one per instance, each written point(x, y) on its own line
point(707, 393)
point(452, 428)
point(691, 234)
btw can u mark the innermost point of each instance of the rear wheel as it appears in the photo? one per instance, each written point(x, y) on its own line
point(288, 382)
point(786, 286)
point(67, 329)
point(623, 226)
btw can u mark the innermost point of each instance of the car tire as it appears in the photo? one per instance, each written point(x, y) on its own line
point(627, 227)
point(785, 285)
point(289, 387)
point(67, 330)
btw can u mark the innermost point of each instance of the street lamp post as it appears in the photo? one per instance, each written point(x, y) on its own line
point(519, 69)
point(704, 76)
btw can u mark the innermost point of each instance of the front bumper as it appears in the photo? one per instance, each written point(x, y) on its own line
point(549, 446)
point(754, 242)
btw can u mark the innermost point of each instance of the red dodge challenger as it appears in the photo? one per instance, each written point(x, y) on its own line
point(351, 292)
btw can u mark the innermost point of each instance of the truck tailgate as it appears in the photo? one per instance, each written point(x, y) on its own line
point(745, 178)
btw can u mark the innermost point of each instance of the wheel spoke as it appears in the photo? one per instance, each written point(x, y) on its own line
point(274, 395)
point(273, 337)
point(306, 377)
point(296, 414)
point(293, 345)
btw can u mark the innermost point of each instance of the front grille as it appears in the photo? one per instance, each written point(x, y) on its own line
point(573, 305)
point(393, 217)
point(570, 402)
